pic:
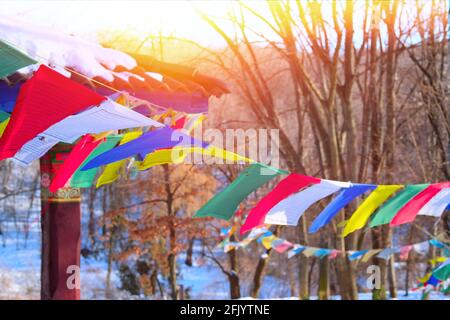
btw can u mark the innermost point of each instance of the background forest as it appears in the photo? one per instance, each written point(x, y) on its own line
point(359, 92)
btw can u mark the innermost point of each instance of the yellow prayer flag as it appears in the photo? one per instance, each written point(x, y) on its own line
point(3, 126)
point(163, 156)
point(425, 278)
point(369, 205)
point(177, 155)
point(112, 170)
point(369, 254)
point(309, 251)
point(99, 136)
point(267, 241)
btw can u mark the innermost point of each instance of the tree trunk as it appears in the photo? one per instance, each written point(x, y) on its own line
point(173, 276)
point(172, 257)
point(351, 279)
point(233, 275)
point(377, 242)
point(324, 287)
point(259, 274)
point(346, 270)
point(303, 264)
point(189, 252)
point(303, 279)
point(391, 13)
point(392, 278)
point(108, 293)
point(235, 287)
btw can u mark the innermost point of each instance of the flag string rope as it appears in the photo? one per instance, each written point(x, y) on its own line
point(281, 245)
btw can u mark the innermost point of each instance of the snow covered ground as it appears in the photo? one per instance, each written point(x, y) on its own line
point(20, 269)
point(368, 296)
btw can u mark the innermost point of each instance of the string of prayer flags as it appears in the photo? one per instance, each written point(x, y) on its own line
point(270, 241)
point(12, 59)
point(73, 161)
point(224, 204)
point(148, 142)
point(290, 210)
point(84, 179)
point(45, 99)
point(283, 206)
point(410, 210)
point(112, 170)
point(344, 197)
point(387, 212)
point(289, 185)
point(369, 205)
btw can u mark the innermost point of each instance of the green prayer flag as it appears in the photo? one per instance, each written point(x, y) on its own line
point(442, 272)
point(4, 115)
point(388, 211)
point(224, 204)
point(12, 59)
point(84, 179)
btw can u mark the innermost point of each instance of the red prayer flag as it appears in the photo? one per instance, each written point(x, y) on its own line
point(289, 185)
point(45, 99)
point(79, 153)
point(410, 210)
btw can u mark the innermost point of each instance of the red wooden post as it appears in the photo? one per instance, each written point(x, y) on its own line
point(61, 229)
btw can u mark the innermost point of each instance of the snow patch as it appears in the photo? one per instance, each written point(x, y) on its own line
point(54, 48)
